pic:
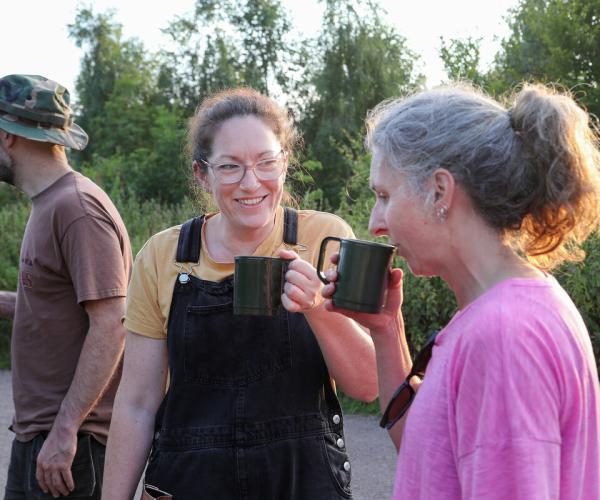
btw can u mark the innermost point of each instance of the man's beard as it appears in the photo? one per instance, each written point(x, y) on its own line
point(7, 173)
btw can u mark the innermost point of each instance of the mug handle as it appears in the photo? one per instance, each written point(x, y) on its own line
point(320, 273)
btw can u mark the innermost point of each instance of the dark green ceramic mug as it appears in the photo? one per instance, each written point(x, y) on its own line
point(258, 285)
point(363, 269)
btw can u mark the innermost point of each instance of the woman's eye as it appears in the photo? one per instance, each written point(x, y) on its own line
point(270, 163)
point(228, 167)
point(381, 196)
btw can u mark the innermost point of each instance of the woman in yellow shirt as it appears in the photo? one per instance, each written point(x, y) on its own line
point(250, 410)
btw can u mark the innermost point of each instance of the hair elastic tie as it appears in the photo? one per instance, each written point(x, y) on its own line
point(511, 119)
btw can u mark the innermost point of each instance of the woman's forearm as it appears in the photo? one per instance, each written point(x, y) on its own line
point(128, 446)
point(348, 351)
point(393, 365)
point(141, 390)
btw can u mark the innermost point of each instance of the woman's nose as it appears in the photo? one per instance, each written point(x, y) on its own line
point(249, 181)
point(377, 223)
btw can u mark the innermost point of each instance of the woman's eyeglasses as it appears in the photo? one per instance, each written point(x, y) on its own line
point(404, 395)
point(265, 170)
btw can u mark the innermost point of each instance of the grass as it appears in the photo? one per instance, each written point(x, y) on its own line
point(353, 407)
point(5, 328)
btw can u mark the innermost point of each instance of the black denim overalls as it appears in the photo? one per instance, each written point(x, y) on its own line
point(250, 412)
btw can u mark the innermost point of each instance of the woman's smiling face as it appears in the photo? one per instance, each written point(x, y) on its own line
point(251, 203)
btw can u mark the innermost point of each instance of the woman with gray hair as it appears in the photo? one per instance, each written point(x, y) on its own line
point(490, 199)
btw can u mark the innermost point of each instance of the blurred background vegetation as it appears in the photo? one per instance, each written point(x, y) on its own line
point(135, 104)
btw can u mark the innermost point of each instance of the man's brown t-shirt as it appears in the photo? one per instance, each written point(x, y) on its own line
point(75, 249)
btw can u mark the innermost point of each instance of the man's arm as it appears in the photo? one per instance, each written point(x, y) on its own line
point(7, 305)
point(99, 358)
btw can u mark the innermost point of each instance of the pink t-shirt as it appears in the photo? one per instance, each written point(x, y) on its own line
point(510, 405)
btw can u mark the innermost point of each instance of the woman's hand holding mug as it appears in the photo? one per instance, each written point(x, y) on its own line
point(301, 291)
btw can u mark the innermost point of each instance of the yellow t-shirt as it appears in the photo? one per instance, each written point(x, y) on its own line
point(155, 269)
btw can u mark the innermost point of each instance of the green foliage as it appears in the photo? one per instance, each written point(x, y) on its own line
point(356, 196)
point(331, 82)
point(136, 134)
point(5, 328)
point(461, 59)
point(225, 44)
point(552, 41)
point(114, 86)
point(582, 282)
point(13, 218)
point(200, 59)
point(146, 218)
point(352, 406)
point(263, 27)
point(358, 60)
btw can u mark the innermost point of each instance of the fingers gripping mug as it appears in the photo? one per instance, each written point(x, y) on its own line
point(363, 269)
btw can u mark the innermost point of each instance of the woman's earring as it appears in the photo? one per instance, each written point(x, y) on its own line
point(441, 213)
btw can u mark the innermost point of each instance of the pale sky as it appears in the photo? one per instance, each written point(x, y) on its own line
point(34, 40)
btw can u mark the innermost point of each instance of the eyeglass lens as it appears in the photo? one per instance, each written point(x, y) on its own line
point(402, 399)
point(398, 405)
point(265, 170)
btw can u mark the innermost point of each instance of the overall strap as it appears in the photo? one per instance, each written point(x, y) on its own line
point(188, 246)
point(290, 226)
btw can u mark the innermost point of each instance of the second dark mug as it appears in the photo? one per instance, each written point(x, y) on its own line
point(258, 285)
point(362, 269)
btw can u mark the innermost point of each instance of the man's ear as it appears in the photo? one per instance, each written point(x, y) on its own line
point(201, 176)
point(7, 139)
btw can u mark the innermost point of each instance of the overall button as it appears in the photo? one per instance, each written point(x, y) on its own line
point(336, 419)
point(340, 443)
point(347, 466)
point(184, 278)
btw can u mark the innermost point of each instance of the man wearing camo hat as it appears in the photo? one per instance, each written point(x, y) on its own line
point(67, 337)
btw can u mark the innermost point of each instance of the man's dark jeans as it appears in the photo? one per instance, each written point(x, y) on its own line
point(87, 474)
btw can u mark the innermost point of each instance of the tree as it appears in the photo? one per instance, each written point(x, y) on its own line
point(225, 44)
point(358, 60)
point(461, 59)
point(553, 41)
point(263, 27)
point(115, 86)
point(201, 61)
point(135, 131)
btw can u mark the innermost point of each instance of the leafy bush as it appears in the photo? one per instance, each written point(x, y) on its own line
point(13, 217)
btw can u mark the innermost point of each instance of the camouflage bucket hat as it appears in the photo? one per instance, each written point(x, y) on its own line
point(36, 108)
